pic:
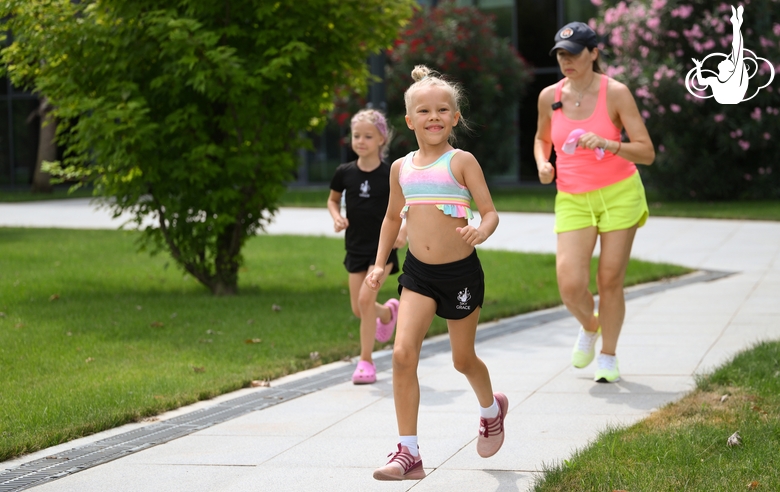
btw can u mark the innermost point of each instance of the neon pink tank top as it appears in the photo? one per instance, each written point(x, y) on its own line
point(581, 172)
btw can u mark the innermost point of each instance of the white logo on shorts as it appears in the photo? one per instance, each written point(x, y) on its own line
point(464, 296)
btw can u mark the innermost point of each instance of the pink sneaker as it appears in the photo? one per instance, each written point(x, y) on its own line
point(491, 431)
point(402, 466)
point(365, 373)
point(384, 331)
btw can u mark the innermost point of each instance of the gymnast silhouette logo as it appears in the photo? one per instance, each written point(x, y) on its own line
point(730, 84)
point(463, 296)
point(364, 189)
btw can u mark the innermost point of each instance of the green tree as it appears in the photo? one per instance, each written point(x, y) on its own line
point(47, 147)
point(190, 112)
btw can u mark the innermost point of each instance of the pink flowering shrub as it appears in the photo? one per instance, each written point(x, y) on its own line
point(461, 44)
point(705, 150)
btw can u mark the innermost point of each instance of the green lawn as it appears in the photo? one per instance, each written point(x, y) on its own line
point(683, 446)
point(94, 335)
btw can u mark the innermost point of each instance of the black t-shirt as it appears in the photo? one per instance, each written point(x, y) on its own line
point(366, 196)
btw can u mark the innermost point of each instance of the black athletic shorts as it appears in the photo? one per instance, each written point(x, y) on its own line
point(458, 287)
point(360, 263)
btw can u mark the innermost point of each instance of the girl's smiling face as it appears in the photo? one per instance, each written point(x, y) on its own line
point(366, 139)
point(432, 114)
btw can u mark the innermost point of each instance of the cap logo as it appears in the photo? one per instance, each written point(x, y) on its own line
point(566, 33)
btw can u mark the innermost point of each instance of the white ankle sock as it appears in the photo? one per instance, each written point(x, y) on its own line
point(490, 412)
point(411, 443)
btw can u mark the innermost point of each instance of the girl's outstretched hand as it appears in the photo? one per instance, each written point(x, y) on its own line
point(400, 242)
point(374, 277)
point(471, 235)
point(340, 224)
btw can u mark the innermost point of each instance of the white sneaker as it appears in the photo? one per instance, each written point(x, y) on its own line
point(608, 369)
point(585, 348)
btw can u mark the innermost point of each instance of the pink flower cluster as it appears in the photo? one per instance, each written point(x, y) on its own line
point(650, 46)
point(683, 11)
point(648, 53)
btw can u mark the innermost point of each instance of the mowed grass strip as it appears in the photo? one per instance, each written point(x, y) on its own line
point(683, 446)
point(94, 335)
point(541, 199)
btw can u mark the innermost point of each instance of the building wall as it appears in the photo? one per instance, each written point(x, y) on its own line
point(19, 128)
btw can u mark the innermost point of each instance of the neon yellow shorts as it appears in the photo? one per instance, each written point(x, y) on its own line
point(618, 206)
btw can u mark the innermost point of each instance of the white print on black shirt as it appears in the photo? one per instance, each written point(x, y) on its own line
point(364, 189)
point(463, 296)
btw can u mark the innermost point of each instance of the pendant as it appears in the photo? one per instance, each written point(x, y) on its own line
point(577, 104)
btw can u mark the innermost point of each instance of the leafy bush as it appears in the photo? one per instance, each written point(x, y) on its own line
point(461, 43)
point(189, 113)
point(705, 150)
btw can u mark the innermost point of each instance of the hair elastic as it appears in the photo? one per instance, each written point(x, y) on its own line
point(381, 125)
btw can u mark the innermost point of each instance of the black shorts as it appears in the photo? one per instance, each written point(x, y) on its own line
point(458, 287)
point(360, 263)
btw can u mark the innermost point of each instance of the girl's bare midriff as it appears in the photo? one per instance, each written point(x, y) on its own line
point(433, 236)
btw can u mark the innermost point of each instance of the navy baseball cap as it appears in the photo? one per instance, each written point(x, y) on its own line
point(575, 37)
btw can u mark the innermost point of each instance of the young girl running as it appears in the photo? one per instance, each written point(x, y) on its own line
point(433, 188)
point(366, 182)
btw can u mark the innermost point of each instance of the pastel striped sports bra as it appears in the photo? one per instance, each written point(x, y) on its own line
point(434, 184)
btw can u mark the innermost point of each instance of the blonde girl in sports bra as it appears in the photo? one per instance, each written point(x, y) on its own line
point(433, 189)
point(600, 194)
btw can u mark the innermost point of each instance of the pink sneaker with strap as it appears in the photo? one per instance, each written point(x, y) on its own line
point(491, 431)
point(402, 466)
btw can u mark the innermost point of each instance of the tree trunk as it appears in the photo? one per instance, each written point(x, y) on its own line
point(220, 288)
point(47, 148)
point(225, 281)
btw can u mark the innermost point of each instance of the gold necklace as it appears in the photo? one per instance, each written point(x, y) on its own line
point(581, 93)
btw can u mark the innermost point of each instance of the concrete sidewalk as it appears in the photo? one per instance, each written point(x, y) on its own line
point(332, 438)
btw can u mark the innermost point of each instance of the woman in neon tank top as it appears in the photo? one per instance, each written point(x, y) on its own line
point(433, 188)
point(600, 193)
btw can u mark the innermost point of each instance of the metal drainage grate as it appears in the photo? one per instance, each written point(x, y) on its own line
point(60, 465)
